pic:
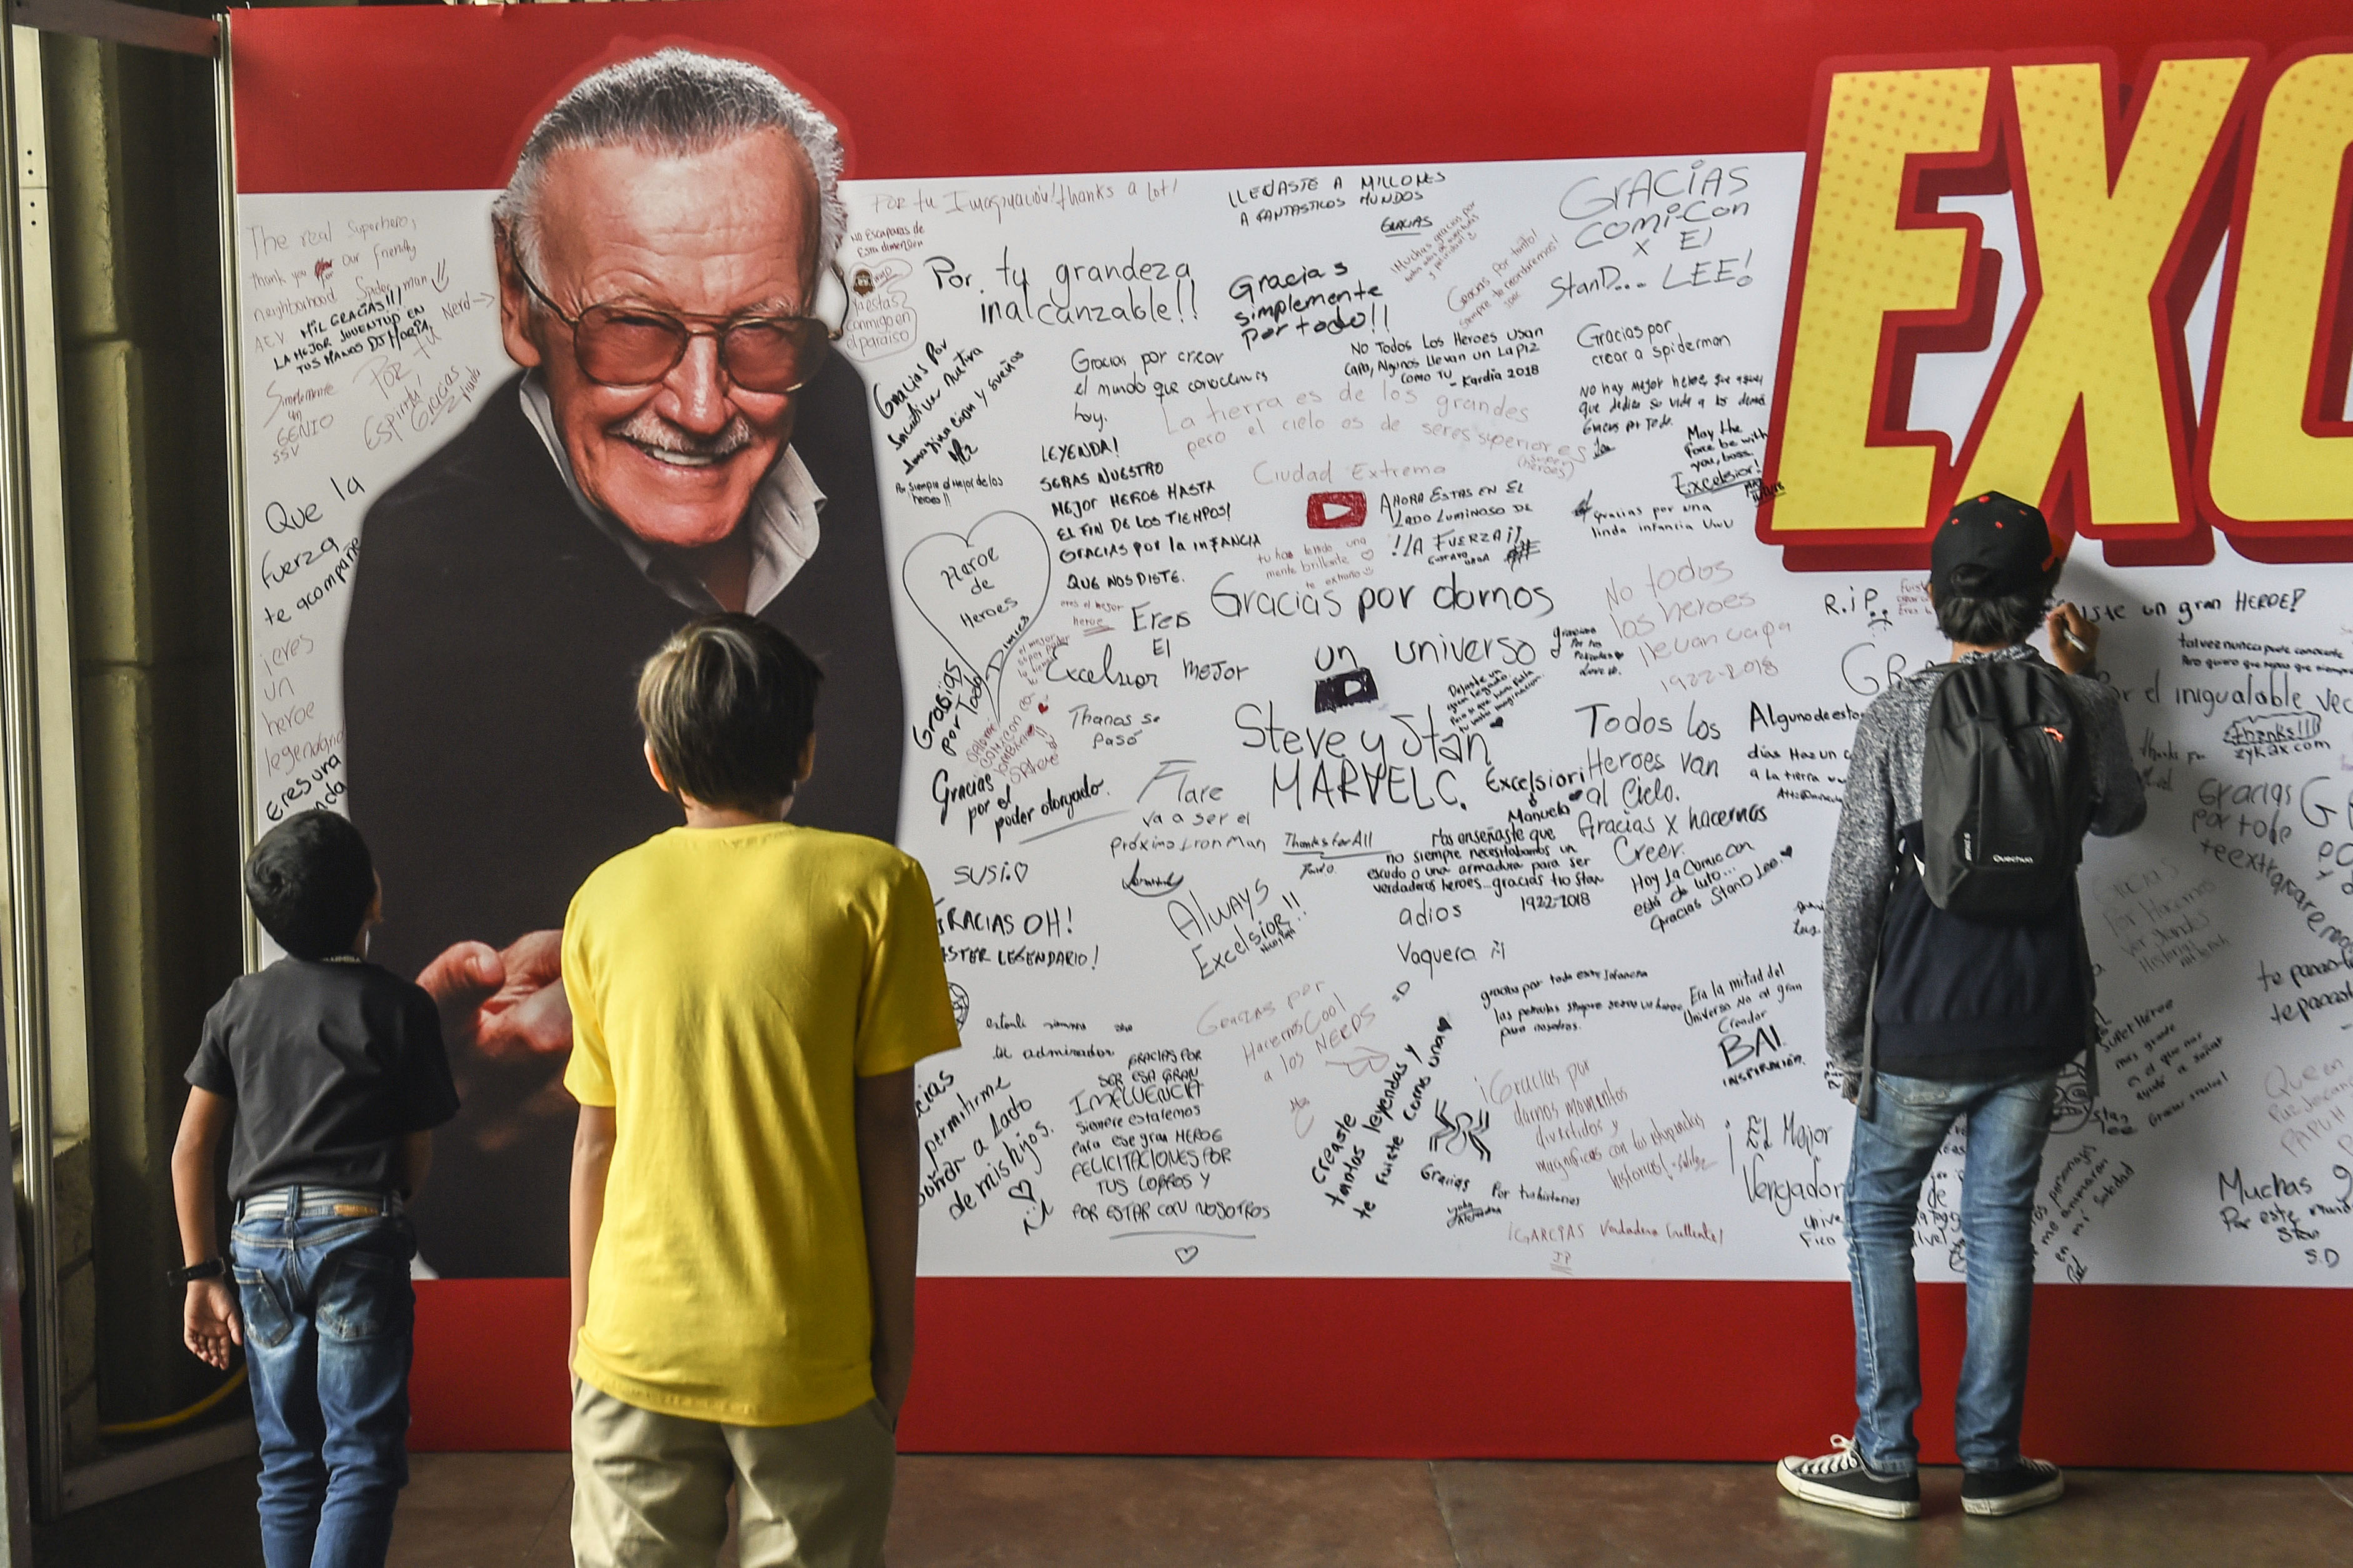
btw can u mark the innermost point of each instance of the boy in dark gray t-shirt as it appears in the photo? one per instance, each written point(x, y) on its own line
point(331, 1072)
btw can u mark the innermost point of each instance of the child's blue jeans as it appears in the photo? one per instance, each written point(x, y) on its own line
point(323, 1283)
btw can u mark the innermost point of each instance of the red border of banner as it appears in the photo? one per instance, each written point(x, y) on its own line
point(327, 100)
point(2170, 1376)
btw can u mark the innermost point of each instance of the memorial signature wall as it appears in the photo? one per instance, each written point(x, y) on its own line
point(1380, 637)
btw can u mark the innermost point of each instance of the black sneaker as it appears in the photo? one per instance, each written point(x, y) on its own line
point(1840, 1479)
point(2029, 1483)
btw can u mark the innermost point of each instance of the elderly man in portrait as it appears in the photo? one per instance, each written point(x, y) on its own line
point(679, 441)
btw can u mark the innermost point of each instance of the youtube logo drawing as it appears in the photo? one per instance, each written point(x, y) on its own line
point(1337, 508)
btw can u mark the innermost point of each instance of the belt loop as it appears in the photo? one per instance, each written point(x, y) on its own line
point(293, 1208)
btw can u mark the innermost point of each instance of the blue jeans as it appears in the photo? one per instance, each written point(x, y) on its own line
point(323, 1288)
point(2008, 1123)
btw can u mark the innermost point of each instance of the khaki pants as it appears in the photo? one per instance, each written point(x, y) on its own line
point(651, 1491)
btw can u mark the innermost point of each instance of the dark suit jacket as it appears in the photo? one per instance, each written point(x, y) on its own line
point(490, 677)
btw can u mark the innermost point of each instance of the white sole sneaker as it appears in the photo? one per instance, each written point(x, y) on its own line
point(2016, 1502)
point(1828, 1496)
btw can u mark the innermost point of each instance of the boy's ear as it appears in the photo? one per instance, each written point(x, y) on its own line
point(653, 766)
point(808, 760)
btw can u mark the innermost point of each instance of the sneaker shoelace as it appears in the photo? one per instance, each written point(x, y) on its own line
point(1842, 1459)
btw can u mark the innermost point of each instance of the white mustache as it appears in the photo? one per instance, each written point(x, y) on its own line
point(648, 428)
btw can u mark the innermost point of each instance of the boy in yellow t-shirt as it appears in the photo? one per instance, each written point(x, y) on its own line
point(749, 999)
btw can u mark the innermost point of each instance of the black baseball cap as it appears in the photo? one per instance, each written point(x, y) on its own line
point(2002, 536)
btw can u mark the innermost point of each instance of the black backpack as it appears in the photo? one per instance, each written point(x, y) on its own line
point(2005, 789)
point(1981, 930)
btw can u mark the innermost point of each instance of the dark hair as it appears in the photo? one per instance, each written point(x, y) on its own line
point(311, 881)
point(728, 705)
point(1966, 614)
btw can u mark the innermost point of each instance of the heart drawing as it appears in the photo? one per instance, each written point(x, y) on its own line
point(982, 590)
point(1186, 1253)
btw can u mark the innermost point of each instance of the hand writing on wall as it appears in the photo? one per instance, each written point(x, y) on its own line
point(502, 1004)
point(2075, 639)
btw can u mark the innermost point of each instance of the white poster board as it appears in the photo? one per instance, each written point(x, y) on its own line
point(1377, 786)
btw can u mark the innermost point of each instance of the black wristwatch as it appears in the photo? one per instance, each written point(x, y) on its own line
point(210, 1268)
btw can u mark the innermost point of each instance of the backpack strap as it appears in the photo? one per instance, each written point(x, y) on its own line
point(1911, 854)
point(1866, 1094)
point(2091, 1012)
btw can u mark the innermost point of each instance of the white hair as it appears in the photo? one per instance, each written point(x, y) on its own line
point(677, 102)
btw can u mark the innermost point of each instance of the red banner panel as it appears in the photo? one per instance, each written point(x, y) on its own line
point(1351, 542)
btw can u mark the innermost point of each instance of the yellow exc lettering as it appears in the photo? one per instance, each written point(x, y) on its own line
point(2090, 336)
point(1859, 267)
point(2263, 462)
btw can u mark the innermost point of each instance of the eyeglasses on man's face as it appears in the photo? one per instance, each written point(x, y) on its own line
point(624, 345)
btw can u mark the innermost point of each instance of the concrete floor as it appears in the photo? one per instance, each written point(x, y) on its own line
point(508, 1510)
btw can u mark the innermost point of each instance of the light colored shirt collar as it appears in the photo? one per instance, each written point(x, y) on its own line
point(782, 517)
